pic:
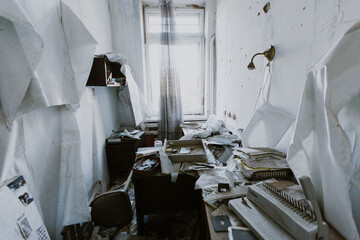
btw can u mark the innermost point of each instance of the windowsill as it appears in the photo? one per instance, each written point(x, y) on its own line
point(190, 118)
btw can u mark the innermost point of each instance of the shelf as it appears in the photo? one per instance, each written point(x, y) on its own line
point(103, 72)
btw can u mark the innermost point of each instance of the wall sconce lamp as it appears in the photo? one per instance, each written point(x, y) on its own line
point(269, 54)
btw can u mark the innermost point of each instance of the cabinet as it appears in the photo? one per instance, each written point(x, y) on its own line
point(121, 155)
point(105, 73)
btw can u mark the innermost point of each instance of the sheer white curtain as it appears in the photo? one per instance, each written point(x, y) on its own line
point(170, 113)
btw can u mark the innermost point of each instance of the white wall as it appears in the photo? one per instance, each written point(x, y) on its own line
point(60, 148)
point(301, 31)
point(209, 33)
point(128, 35)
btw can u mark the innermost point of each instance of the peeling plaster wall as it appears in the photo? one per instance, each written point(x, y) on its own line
point(301, 31)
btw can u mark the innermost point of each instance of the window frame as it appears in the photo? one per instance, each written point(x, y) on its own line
point(154, 38)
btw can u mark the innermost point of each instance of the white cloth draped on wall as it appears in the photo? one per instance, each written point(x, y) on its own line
point(170, 112)
point(21, 47)
point(44, 67)
point(325, 143)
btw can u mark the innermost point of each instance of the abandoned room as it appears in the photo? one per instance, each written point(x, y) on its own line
point(179, 119)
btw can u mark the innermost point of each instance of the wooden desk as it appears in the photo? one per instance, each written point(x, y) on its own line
point(211, 234)
point(157, 194)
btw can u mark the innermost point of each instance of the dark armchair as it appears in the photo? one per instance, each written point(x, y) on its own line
point(112, 208)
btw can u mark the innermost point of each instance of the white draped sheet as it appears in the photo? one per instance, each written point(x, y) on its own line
point(21, 47)
point(45, 60)
point(321, 147)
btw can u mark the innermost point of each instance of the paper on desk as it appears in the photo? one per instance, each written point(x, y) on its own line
point(146, 152)
point(197, 134)
point(222, 139)
point(234, 192)
point(185, 150)
point(210, 156)
point(209, 179)
point(166, 165)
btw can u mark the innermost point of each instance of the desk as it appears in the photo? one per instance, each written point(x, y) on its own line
point(157, 194)
point(210, 228)
point(209, 211)
point(333, 234)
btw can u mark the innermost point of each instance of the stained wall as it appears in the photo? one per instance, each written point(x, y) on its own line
point(301, 31)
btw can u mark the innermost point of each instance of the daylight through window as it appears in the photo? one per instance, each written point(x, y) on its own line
point(190, 50)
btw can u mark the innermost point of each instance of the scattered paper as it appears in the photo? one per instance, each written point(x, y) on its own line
point(166, 164)
point(20, 216)
point(24, 226)
point(185, 150)
point(19, 188)
point(42, 234)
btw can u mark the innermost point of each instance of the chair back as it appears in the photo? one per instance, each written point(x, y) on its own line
point(111, 209)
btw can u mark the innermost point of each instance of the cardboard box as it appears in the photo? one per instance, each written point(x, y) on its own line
point(196, 150)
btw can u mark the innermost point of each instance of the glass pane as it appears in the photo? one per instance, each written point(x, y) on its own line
point(153, 77)
point(185, 23)
point(188, 23)
point(189, 75)
point(154, 24)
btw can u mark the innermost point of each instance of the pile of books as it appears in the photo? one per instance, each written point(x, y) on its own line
point(262, 163)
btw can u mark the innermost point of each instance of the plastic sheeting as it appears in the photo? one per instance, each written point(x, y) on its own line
point(325, 142)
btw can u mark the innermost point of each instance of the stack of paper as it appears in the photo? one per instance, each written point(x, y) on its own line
point(125, 135)
point(269, 162)
point(258, 153)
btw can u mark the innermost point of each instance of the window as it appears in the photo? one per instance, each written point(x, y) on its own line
point(190, 26)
